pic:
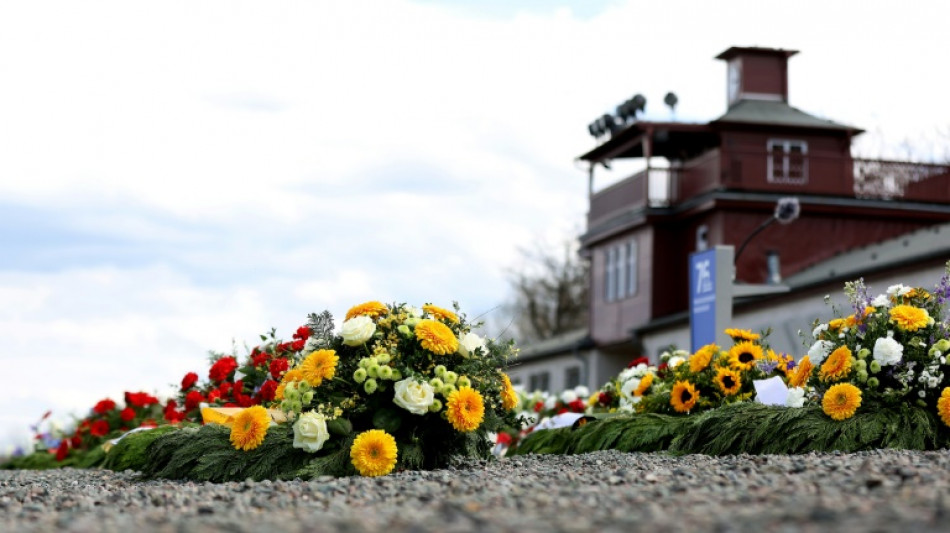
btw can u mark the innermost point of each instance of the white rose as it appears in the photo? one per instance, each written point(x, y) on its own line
point(795, 397)
point(470, 342)
point(820, 350)
point(627, 389)
point(887, 351)
point(358, 330)
point(413, 396)
point(310, 431)
point(568, 396)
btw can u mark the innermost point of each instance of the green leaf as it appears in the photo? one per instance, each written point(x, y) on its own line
point(387, 419)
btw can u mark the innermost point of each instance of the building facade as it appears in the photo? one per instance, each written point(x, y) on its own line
point(718, 183)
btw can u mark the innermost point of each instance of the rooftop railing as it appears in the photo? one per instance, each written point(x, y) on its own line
point(877, 178)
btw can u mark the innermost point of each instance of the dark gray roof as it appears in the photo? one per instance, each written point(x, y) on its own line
point(768, 112)
point(562, 343)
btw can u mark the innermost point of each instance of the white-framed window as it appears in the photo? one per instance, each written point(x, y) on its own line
point(787, 161)
point(620, 270)
point(540, 381)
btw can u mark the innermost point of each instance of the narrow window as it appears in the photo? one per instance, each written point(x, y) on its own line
point(631, 267)
point(572, 377)
point(787, 161)
point(610, 274)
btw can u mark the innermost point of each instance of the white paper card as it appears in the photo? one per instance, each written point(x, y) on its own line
point(770, 391)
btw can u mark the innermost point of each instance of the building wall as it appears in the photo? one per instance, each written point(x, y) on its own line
point(610, 321)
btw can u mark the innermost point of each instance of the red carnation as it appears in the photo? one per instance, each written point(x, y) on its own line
point(104, 406)
point(76, 441)
point(62, 450)
point(268, 390)
point(298, 345)
point(148, 423)
point(140, 399)
point(245, 401)
point(99, 428)
point(282, 347)
point(225, 389)
point(192, 399)
point(303, 332)
point(189, 380)
point(127, 414)
point(259, 358)
point(604, 398)
point(173, 417)
point(278, 367)
point(638, 361)
point(538, 407)
point(503, 438)
point(214, 395)
point(577, 406)
point(222, 368)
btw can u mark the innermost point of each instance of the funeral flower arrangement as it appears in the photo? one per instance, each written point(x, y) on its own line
point(890, 350)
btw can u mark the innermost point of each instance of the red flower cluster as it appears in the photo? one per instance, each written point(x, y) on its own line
point(189, 380)
point(222, 369)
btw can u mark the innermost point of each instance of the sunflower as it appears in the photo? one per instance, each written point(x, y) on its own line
point(837, 365)
point(249, 427)
point(700, 360)
point(841, 401)
point(742, 334)
point(509, 396)
point(374, 453)
point(799, 376)
point(683, 397)
point(291, 375)
point(943, 406)
point(781, 360)
point(729, 381)
point(371, 309)
point(465, 409)
point(436, 337)
point(645, 383)
point(744, 355)
point(909, 318)
point(318, 366)
point(440, 313)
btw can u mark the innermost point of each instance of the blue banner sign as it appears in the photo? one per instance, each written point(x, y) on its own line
point(702, 298)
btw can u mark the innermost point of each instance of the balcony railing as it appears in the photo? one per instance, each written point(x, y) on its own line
point(875, 178)
point(653, 187)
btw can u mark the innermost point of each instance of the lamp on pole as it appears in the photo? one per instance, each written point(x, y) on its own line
point(786, 210)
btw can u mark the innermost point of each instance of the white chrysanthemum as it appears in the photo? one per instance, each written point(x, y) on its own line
point(820, 350)
point(626, 374)
point(795, 397)
point(550, 402)
point(887, 351)
point(413, 312)
point(676, 361)
point(469, 343)
point(568, 396)
point(581, 391)
point(818, 329)
point(626, 391)
point(880, 301)
point(898, 290)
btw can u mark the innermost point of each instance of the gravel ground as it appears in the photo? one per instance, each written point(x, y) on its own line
point(604, 491)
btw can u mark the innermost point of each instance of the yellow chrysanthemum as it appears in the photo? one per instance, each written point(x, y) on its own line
point(318, 366)
point(509, 396)
point(799, 376)
point(943, 406)
point(837, 365)
point(294, 374)
point(371, 309)
point(729, 381)
point(249, 428)
point(841, 401)
point(700, 360)
point(684, 396)
point(742, 334)
point(837, 323)
point(645, 383)
point(374, 453)
point(436, 337)
point(909, 318)
point(465, 410)
point(744, 355)
point(440, 313)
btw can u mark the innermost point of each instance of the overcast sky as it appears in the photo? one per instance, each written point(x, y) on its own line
point(176, 175)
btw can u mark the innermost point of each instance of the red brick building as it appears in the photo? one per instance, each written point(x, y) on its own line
point(717, 184)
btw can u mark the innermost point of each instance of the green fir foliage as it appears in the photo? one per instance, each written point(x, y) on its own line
point(748, 428)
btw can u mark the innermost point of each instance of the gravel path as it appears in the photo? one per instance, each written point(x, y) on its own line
point(604, 491)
